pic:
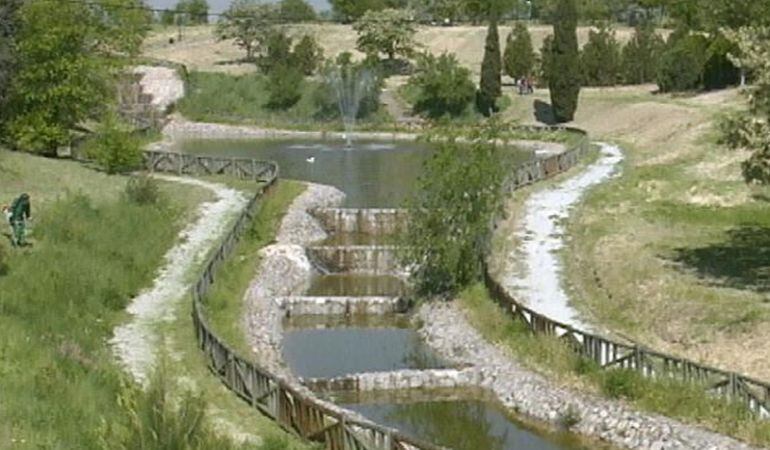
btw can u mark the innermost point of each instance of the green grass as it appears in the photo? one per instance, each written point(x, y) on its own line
point(241, 99)
point(60, 299)
point(224, 304)
point(551, 356)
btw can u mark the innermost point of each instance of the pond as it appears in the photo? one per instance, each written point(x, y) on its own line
point(325, 347)
point(378, 174)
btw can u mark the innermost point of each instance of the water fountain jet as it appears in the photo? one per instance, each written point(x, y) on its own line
point(351, 84)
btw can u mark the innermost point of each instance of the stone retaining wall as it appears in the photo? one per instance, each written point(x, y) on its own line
point(313, 306)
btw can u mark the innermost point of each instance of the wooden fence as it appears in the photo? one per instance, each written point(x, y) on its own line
point(607, 353)
point(295, 411)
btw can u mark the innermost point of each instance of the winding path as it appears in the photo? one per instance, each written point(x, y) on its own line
point(542, 235)
point(135, 342)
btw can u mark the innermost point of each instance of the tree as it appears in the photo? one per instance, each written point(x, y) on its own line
point(350, 10)
point(600, 62)
point(67, 59)
point(544, 60)
point(444, 86)
point(754, 56)
point(640, 56)
point(8, 29)
point(682, 62)
point(490, 85)
point(519, 56)
point(459, 194)
point(307, 55)
point(285, 84)
point(113, 147)
point(248, 23)
point(389, 31)
point(277, 51)
point(296, 11)
point(193, 12)
point(564, 72)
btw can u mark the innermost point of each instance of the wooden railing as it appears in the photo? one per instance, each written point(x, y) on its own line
point(608, 353)
point(293, 410)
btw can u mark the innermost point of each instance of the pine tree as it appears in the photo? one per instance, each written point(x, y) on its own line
point(564, 76)
point(641, 55)
point(490, 86)
point(519, 57)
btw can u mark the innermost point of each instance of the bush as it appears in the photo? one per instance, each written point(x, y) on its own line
point(519, 57)
point(307, 55)
point(143, 190)
point(640, 55)
point(114, 148)
point(600, 63)
point(718, 71)
point(622, 383)
point(739, 130)
point(681, 64)
point(296, 11)
point(285, 87)
point(443, 85)
point(277, 51)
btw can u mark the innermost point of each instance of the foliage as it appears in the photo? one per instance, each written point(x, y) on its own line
point(564, 62)
point(740, 130)
point(519, 57)
point(621, 383)
point(600, 62)
point(545, 64)
point(458, 196)
point(285, 87)
point(66, 60)
point(308, 55)
point(389, 31)
point(443, 85)
point(113, 147)
point(296, 11)
point(641, 54)
point(247, 23)
point(718, 71)
point(277, 51)
point(344, 70)
point(350, 10)
point(8, 29)
point(192, 12)
point(490, 85)
point(488, 9)
point(681, 63)
point(143, 190)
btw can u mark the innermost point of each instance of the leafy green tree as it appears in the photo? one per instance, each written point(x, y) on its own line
point(482, 10)
point(307, 55)
point(285, 87)
point(8, 30)
point(544, 60)
point(441, 10)
point(600, 62)
point(350, 10)
point(67, 58)
point(444, 86)
point(490, 85)
point(296, 11)
point(519, 56)
point(459, 194)
point(682, 62)
point(277, 51)
point(564, 71)
point(193, 12)
point(640, 56)
point(389, 31)
point(113, 147)
point(248, 23)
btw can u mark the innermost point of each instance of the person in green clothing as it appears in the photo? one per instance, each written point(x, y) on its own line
point(21, 212)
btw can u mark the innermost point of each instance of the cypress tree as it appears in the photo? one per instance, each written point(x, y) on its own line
point(519, 57)
point(490, 86)
point(564, 76)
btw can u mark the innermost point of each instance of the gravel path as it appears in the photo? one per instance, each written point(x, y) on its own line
point(542, 235)
point(135, 342)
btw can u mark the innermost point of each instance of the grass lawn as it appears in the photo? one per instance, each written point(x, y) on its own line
point(241, 99)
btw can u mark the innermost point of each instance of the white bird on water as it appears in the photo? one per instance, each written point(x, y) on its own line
point(310, 159)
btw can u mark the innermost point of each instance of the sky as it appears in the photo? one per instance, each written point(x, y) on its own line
point(217, 6)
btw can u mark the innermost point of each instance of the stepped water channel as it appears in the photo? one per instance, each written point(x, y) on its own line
point(356, 262)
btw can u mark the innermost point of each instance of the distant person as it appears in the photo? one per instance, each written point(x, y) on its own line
point(520, 83)
point(20, 213)
point(530, 85)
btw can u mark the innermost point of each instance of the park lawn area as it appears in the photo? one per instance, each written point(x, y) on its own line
point(93, 249)
point(241, 99)
point(549, 355)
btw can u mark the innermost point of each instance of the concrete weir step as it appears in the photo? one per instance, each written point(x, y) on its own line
point(377, 222)
point(364, 259)
point(399, 379)
point(299, 305)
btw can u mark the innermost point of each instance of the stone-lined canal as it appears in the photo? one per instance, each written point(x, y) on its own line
point(377, 175)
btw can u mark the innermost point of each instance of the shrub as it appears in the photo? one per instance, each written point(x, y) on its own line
point(519, 57)
point(640, 55)
point(296, 11)
point(681, 64)
point(143, 190)
point(739, 130)
point(622, 383)
point(114, 148)
point(277, 51)
point(600, 63)
point(443, 85)
point(718, 71)
point(570, 417)
point(285, 87)
point(564, 61)
point(307, 55)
